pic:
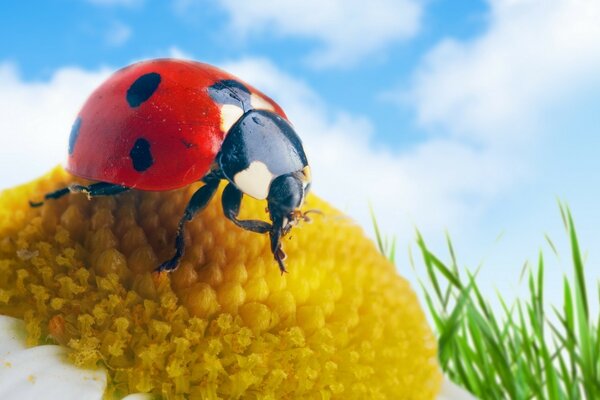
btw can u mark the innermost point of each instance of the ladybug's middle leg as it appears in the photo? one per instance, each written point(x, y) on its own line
point(232, 198)
point(197, 203)
point(93, 190)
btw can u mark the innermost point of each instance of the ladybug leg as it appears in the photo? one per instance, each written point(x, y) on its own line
point(276, 249)
point(197, 203)
point(93, 190)
point(52, 195)
point(231, 200)
point(98, 189)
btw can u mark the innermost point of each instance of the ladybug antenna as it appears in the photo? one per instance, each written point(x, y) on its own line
point(304, 215)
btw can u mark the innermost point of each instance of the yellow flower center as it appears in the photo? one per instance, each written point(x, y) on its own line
point(226, 323)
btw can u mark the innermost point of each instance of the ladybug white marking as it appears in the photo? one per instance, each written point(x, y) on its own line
point(259, 103)
point(306, 179)
point(254, 180)
point(229, 116)
point(307, 176)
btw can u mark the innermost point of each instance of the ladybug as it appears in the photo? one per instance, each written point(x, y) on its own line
point(163, 124)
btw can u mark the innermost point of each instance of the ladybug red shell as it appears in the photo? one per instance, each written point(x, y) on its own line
point(154, 126)
point(163, 124)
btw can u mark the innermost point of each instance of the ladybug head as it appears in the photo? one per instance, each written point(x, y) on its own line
point(286, 196)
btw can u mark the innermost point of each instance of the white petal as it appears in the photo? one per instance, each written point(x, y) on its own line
point(12, 335)
point(43, 372)
point(140, 396)
point(451, 391)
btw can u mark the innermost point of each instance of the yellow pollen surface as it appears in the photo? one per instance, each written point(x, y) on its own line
point(226, 324)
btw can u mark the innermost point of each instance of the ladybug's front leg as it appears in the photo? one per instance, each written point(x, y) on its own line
point(232, 198)
point(197, 203)
point(93, 190)
point(275, 236)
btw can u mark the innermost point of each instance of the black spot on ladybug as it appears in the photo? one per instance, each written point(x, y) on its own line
point(187, 144)
point(230, 91)
point(142, 89)
point(74, 134)
point(140, 154)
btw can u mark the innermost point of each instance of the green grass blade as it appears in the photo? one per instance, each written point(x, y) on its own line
point(578, 265)
point(445, 271)
point(451, 327)
point(552, 246)
point(517, 352)
point(378, 236)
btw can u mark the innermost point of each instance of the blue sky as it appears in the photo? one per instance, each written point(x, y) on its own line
point(90, 34)
point(467, 117)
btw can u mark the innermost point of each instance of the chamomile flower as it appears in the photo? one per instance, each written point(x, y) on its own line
point(226, 323)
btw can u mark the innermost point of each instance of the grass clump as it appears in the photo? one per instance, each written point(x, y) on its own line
point(528, 349)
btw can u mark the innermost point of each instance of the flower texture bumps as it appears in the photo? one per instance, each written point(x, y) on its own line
point(226, 323)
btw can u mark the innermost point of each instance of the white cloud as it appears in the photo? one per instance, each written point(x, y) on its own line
point(527, 90)
point(504, 145)
point(499, 86)
point(118, 34)
point(36, 118)
point(436, 184)
point(347, 30)
point(433, 184)
point(176, 52)
point(520, 90)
